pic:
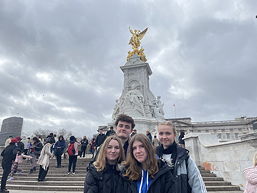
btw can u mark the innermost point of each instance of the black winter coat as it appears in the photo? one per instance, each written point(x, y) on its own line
point(9, 155)
point(20, 146)
point(99, 139)
point(163, 182)
point(59, 147)
point(181, 155)
point(106, 181)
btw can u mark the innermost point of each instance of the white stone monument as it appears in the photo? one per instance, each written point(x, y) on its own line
point(136, 99)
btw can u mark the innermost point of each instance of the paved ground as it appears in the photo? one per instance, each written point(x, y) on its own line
point(26, 191)
point(227, 192)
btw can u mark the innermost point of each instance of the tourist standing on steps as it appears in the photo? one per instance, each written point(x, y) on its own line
point(92, 147)
point(110, 132)
point(44, 159)
point(187, 174)
point(143, 172)
point(51, 135)
point(35, 153)
point(27, 146)
point(181, 140)
point(59, 148)
point(251, 177)
point(73, 154)
point(134, 132)
point(84, 143)
point(20, 144)
point(79, 147)
point(103, 175)
point(149, 135)
point(100, 138)
point(8, 154)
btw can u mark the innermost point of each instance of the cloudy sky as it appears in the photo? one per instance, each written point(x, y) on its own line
point(60, 59)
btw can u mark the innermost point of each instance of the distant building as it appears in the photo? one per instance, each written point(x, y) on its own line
point(10, 126)
point(225, 130)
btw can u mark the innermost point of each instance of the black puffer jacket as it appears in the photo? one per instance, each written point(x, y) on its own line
point(106, 181)
point(163, 182)
point(179, 156)
point(9, 154)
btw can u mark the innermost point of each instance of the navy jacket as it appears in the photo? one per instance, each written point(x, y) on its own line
point(163, 182)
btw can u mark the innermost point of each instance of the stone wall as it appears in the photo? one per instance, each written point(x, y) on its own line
point(228, 159)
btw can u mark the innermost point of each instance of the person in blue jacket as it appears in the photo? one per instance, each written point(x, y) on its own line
point(59, 148)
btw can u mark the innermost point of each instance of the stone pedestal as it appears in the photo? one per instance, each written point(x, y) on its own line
point(146, 124)
point(136, 99)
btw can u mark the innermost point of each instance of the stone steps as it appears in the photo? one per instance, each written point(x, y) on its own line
point(57, 175)
point(53, 171)
point(225, 191)
point(41, 187)
point(212, 179)
point(208, 175)
point(48, 182)
point(57, 180)
point(222, 188)
point(50, 178)
point(27, 167)
point(217, 184)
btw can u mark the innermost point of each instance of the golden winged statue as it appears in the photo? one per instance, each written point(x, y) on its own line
point(134, 41)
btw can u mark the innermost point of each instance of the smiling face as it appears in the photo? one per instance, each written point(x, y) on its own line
point(112, 151)
point(139, 151)
point(166, 135)
point(123, 129)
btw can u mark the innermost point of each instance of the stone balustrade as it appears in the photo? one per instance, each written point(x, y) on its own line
point(228, 159)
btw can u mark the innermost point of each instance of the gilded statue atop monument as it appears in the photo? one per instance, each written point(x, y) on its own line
point(134, 41)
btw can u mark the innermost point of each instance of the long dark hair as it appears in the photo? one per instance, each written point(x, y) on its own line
point(133, 171)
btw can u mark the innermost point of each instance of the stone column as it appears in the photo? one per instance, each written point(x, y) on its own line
point(191, 142)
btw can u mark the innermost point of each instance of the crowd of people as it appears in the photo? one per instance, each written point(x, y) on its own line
point(123, 160)
point(38, 151)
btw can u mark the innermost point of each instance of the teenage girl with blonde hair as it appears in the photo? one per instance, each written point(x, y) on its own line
point(103, 175)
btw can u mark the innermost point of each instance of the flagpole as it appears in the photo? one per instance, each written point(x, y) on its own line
point(174, 105)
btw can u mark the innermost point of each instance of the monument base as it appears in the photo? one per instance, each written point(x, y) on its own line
point(146, 124)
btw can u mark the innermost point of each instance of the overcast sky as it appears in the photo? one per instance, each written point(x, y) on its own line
point(60, 59)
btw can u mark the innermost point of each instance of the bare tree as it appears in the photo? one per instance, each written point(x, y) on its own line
point(64, 133)
point(42, 132)
point(45, 132)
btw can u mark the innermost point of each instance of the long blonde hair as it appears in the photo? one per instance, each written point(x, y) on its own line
point(133, 171)
point(255, 160)
point(100, 162)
